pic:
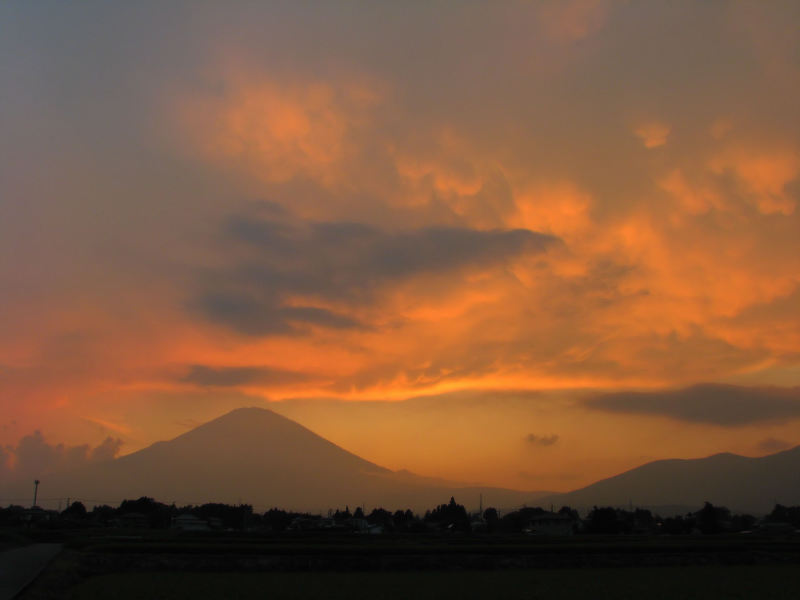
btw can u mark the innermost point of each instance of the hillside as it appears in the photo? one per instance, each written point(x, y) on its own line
point(738, 482)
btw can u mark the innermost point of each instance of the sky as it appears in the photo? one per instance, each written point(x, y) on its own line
point(527, 244)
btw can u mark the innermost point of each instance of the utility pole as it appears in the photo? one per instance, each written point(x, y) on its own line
point(35, 491)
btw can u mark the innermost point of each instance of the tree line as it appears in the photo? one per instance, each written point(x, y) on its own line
point(451, 516)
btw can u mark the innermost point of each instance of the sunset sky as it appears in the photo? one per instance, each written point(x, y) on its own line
point(528, 244)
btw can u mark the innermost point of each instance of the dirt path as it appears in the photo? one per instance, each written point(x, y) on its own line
point(20, 566)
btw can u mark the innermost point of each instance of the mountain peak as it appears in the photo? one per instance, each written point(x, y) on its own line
point(255, 455)
point(247, 412)
point(247, 419)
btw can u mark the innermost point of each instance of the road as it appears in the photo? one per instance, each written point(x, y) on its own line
point(20, 566)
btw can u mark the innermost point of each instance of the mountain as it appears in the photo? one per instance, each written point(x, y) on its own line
point(738, 482)
point(256, 456)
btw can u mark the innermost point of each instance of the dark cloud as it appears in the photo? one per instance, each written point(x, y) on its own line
point(252, 314)
point(106, 450)
point(339, 262)
point(541, 440)
point(472, 398)
point(773, 445)
point(34, 456)
point(235, 376)
point(348, 255)
point(726, 405)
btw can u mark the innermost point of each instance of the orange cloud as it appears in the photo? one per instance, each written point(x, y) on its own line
point(653, 134)
point(279, 129)
point(560, 208)
point(762, 176)
point(694, 199)
point(572, 20)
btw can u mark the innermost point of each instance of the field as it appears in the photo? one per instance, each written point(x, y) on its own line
point(768, 582)
point(163, 564)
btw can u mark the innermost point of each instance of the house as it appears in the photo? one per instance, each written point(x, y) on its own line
point(36, 514)
point(775, 528)
point(359, 525)
point(550, 523)
point(478, 523)
point(189, 522)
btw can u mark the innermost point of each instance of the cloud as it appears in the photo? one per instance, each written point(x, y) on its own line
point(653, 134)
point(262, 314)
point(569, 21)
point(355, 252)
point(725, 405)
point(542, 440)
point(279, 129)
point(108, 449)
point(763, 176)
point(773, 445)
point(34, 456)
point(696, 199)
point(295, 271)
point(240, 376)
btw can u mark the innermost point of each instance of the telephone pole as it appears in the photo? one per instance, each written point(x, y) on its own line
point(35, 491)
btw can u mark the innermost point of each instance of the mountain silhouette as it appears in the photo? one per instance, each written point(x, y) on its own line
point(738, 482)
point(255, 456)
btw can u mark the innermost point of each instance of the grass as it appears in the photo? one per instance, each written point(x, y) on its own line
point(701, 582)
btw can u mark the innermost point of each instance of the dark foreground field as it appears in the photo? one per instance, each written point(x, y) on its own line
point(97, 564)
point(768, 582)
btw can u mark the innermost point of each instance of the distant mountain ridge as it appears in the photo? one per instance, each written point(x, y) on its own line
point(256, 456)
point(741, 483)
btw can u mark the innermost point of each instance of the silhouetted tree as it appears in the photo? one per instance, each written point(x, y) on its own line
point(603, 520)
point(519, 519)
point(570, 512)
point(712, 519)
point(785, 514)
point(742, 522)
point(380, 516)
point(343, 515)
point(643, 521)
point(491, 518)
point(76, 511)
point(12, 515)
point(450, 516)
point(677, 525)
point(102, 514)
point(238, 516)
point(159, 516)
point(278, 520)
point(403, 520)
